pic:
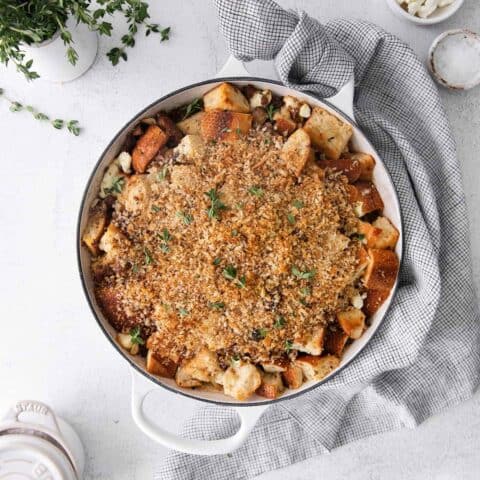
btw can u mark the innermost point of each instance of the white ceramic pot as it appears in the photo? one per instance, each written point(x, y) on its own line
point(35, 443)
point(50, 57)
point(249, 412)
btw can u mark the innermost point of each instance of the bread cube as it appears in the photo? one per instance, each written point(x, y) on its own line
point(191, 125)
point(348, 167)
point(260, 98)
point(135, 194)
point(271, 386)
point(190, 146)
point(109, 301)
point(147, 147)
point(367, 164)
point(335, 342)
point(161, 366)
point(96, 224)
point(369, 232)
point(374, 300)
point(316, 368)
point(365, 198)
point(362, 259)
point(352, 322)
point(241, 380)
point(328, 133)
point(226, 126)
point(283, 122)
point(312, 344)
point(293, 376)
point(382, 269)
point(296, 151)
point(388, 235)
point(226, 97)
point(112, 240)
point(202, 368)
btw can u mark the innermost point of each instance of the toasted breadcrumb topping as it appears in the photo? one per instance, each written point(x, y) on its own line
point(227, 249)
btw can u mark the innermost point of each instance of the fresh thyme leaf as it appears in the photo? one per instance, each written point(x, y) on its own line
point(238, 131)
point(298, 204)
point(241, 282)
point(217, 261)
point(193, 107)
point(58, 123)
point(16, 107)
point(183, 312)
point(256, 190)
point(279, 322)
point(165, 34)
point(217, 305)
point(305, 291)
point(239, 205)
point(165, 237)
point(135, 268)
point(291, 218)
point(234, 232)
point(73, 127)
point(259, 334)
point(148, 259)
point(271, 109)
point(155, 208)
point(117, 186)
point(307, 275)
point(216, 204)
point(235, 359)
point(136, 336)
point(185, 217)
point(288, 345)
point(230, 272)
point(163, 173)
point(359, 236)
point(303, 302)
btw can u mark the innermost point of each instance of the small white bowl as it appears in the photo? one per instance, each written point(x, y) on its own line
point(439, 15)
point(454, 59)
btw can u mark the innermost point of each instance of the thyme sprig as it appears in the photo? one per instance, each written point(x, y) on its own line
point(15, 106)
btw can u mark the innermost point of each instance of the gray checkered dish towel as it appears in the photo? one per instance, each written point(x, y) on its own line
point(425, 356)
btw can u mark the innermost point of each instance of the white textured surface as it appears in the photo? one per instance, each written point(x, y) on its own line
point(52, 349)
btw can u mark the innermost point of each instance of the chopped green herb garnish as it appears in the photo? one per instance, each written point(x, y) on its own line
point(240, 205)
point(235, 359)
point(117, 186)
point(193, 107)
point(307, 275)
point(135, 268)
point(305, 291)
point(359, 236)
point(148, 256)
point(217, 261)
point(267, 141)
point(288, 345)
point(183, 312)
point(136, 336)
point(216, 205)
point(298, 204)
point(155, 208)
point(256, 190)
point(271, 109)
point(185, 217)
point(279, 322)
point(165, 237)
point(238, 131)
point(291, 218)
point(230, 272)
point(217, 305)
point(259, 334)
point(162, 174)
point(303, 302)
point(234, 232)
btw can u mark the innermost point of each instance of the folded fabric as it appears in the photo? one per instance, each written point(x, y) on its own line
point(426, 355)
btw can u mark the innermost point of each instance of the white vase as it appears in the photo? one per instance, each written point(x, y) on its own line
point(50, 57)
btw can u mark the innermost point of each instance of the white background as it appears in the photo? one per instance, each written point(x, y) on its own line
point(51, 348)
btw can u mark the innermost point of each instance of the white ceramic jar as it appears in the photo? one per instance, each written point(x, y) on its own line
point(50, 57)
point(36, 444)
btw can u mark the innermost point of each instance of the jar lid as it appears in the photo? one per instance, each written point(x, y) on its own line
point(31, 456)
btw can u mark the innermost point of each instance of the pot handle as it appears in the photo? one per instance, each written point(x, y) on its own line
point(343, 100)
point(248, 416)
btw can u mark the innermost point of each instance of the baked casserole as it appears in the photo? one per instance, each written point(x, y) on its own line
point(238, 244)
